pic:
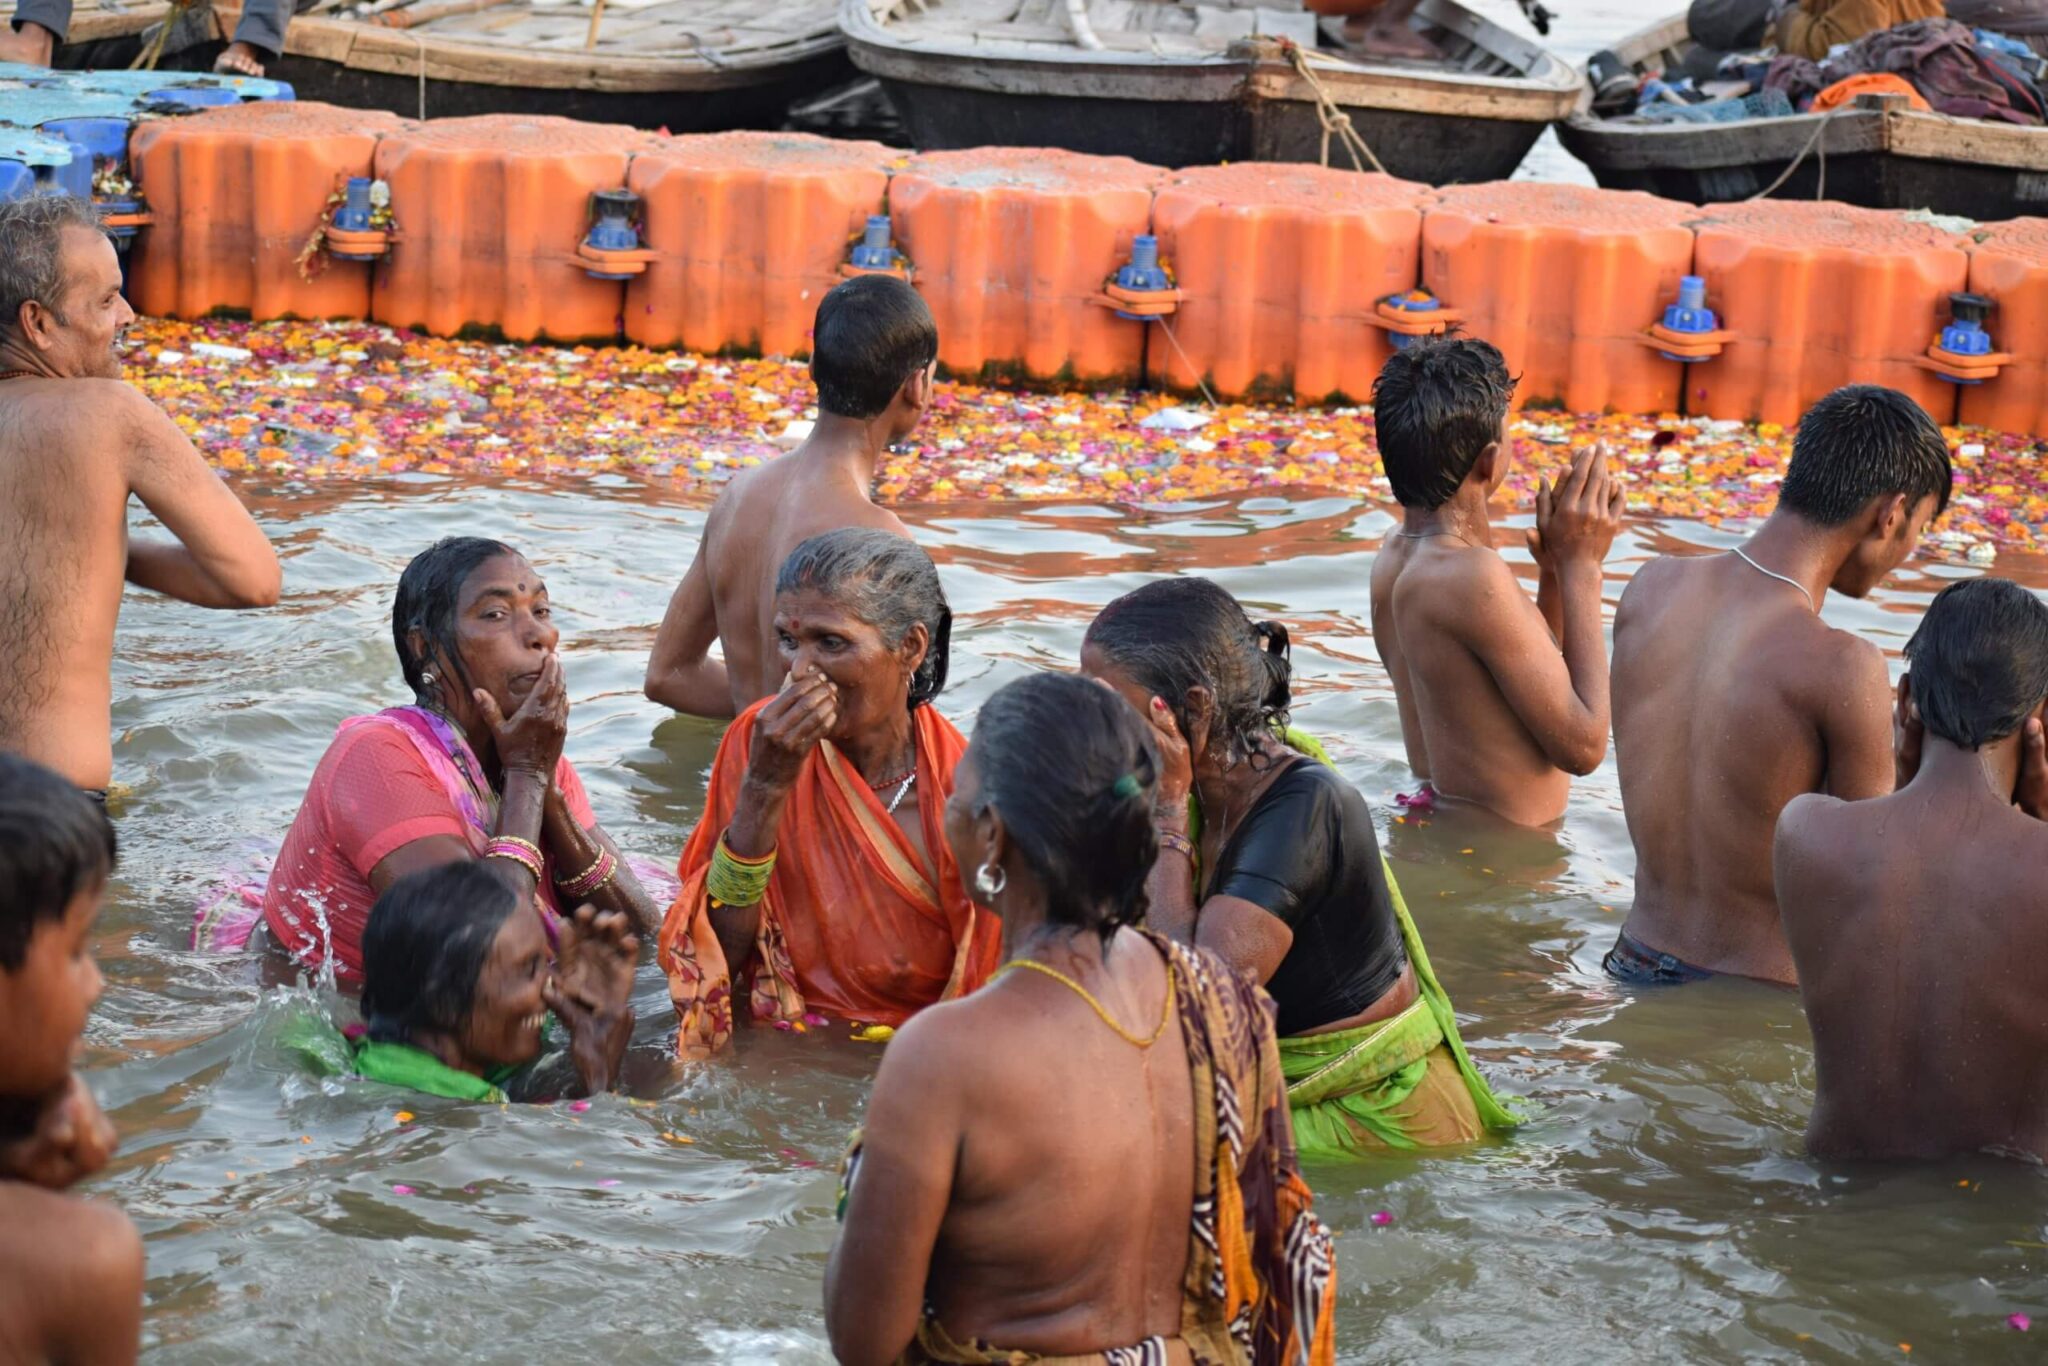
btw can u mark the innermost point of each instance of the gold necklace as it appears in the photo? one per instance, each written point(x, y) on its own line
point(1164, 1019)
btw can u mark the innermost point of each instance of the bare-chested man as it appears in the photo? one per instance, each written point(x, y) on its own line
point(1915, 919)
point(874, 350)
point(1493, 711)
point(1732, 696)
point(75, 443)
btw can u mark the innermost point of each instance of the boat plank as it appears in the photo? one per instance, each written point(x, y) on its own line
point(91, 21)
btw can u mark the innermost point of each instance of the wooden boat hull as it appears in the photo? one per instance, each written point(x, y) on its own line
point(1880, 159)
point(1437, 127)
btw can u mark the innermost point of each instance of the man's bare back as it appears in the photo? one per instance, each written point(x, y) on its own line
point(1731, 697)
point(75, 443)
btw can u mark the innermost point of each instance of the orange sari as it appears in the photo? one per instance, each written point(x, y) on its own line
point(853, 923)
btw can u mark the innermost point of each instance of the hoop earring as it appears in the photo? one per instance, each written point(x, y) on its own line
point(427, 677)
point(989, 881)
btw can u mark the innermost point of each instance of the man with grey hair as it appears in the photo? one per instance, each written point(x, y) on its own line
point(76, 441)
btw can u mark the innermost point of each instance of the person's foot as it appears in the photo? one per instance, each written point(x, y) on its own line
point(239, 59)
point(31, 44)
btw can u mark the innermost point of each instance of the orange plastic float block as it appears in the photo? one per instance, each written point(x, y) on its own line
point(237, 192)
point(1278, 268)
point(1818, 296)
point(490, 213)
point(1012, 248)
point(747, 231)
point(2010, 267)
point(1564, 280)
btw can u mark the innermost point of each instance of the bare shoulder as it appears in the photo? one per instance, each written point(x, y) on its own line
point(67, 1245)
point(1805, 819)
point(943, 1050)
point(1652, 583)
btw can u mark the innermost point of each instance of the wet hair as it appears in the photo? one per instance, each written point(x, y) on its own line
point(886, 581)
point(1863, 443)
point(871, 336)
point(32, 250)
point(1979, 662)
point(428, 594)
point(1072, 772)
point(1436, 406)
point(1176, 634)
point(425, 946)
point(55, 842)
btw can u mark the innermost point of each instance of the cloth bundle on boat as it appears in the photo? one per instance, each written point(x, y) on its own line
point(1940, 58)
point(1814, 28)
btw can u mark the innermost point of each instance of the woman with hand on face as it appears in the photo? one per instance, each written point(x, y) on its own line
point(471, 770)
point(1269, 858)
point(819, 873)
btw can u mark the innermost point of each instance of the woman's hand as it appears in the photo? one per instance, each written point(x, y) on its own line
point(72, 1140)
point(530, 741)
point(592, 991)
point(1176, 768)
point(789, 728)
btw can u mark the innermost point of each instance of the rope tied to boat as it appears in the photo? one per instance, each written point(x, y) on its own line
point(1336, 123)
point(1821, 190)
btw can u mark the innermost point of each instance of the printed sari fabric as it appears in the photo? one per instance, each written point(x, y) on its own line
point(854, 924)
point(1261, 1284)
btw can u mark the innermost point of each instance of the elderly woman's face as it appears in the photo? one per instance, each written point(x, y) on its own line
point(504, 629)
point(508, 1012)
point(817, 633)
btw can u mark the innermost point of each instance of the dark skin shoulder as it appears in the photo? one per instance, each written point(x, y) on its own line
point(71, 1276)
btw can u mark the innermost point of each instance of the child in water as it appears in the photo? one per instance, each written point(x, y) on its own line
point(70, 1268)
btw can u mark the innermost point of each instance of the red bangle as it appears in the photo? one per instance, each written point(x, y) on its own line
point(591, 878)
point(1173, 839)
point(525, 853)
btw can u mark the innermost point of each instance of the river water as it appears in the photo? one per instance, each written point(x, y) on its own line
point(1658, 1208)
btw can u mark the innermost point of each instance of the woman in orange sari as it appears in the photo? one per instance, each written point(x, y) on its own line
point(820, 874)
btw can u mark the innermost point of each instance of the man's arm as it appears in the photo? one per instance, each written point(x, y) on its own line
point(875, 1282)
point(1856, 720)
point(1559, 697)
point(682, 675)
point(93, 1291)
point(220, 558)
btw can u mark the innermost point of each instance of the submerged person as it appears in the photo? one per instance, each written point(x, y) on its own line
point(471, 769)
point(459, 981)
point(1503, 700)
point(874, 352)
point(1733, 696)
point(819, 873)
point(70, 1269)
point(1915, 919)
point(1089, 1161)
point(76, 443)
point(1283, 878)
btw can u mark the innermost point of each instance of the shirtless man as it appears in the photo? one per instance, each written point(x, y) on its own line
point(70, 1269)
point(1492, 710)
point(75, 442)
point(1928, 1033)
point(1732, 696)
point(874, 351)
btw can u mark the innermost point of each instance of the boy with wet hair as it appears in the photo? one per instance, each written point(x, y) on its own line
point(70, 1269)
point(874, 355)
point(1732, 696)
point(1502, 699)
point(1915, 919)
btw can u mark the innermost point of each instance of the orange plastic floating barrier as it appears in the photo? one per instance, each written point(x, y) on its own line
point(1564, 280)
point(490, 212)
point(237, 192)
point(1819, 296)
point(2010, 267)
point(1011, 248)
point(748, 231)
point(1278, 267)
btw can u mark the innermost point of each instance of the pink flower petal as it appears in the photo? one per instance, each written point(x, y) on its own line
point(2019, 1323)
point(609, 1182)
point(1382, 1218)
point(403, 1190)
point(577, 1107)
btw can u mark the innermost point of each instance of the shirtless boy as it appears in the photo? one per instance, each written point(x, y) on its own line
point(1493, 711)
point(70, 1269)
point(1915, 919)
point(874, 350)
point(1732, 696)
point(75, 442)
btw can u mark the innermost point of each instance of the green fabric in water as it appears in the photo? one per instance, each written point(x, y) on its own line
point(326, 1052)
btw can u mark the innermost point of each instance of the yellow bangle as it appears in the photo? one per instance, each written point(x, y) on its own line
point(734, 881)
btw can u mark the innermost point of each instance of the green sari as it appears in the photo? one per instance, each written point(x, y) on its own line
point(1402, 1083)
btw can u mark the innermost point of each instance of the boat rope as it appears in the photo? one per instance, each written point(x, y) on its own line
point(1820, 192)
point(1336, 123)
point(153, 51)
point(1193, 369)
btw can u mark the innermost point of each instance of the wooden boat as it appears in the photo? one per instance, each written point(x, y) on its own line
point(687, 65)
point(1878, 153)
point(1181, 82)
